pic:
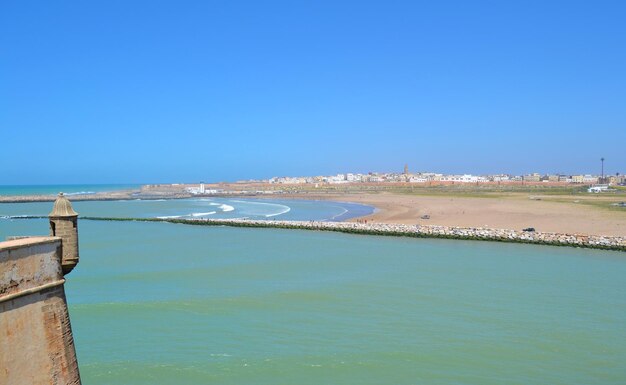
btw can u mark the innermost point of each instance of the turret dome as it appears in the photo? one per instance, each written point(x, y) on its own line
point(62, 207)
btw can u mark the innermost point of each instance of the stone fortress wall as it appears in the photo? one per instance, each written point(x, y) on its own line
point(36, 342)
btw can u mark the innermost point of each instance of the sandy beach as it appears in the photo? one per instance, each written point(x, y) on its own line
point(592, 214)
point(560, 214)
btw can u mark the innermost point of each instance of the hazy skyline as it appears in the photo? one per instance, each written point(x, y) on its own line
point(186, 91)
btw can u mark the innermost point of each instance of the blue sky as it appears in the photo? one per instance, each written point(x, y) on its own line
point(169, 91)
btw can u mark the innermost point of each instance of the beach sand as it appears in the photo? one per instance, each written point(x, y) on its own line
point(591, 214)
point(560, 214)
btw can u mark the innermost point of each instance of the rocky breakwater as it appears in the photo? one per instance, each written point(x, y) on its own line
point(468, 233)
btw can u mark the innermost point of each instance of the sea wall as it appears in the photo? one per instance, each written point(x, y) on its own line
point(418, 231)
point(36, 343)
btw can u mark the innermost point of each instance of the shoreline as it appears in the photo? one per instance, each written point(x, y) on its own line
point(586, 214)
point(563, 214)
point(400, 230)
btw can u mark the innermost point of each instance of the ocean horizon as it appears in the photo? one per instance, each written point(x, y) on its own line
point(67, 189)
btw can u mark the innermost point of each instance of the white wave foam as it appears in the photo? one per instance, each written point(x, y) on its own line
point(26, 216)
point(202, 214)
point(286, 210)
point(338, 215)
point(253, 203)
point(170, 217)
point(80, 193)
point(226, 208)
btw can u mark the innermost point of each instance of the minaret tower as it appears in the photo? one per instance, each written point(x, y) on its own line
point(63, 224)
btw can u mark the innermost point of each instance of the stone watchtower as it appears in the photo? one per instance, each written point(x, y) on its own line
point(36, 341)
point(64, 224)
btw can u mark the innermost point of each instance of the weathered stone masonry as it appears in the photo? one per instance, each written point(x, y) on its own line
point(36, 342)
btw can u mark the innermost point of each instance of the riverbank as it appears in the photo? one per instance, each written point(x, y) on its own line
point(416, 231)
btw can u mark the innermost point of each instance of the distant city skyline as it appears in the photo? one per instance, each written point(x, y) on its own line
point(302, 175)
point(145, 92)
point(426, 177)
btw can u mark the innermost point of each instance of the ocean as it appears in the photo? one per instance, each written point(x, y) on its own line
point(200, 208)
point(71, 189)
point(162, 303)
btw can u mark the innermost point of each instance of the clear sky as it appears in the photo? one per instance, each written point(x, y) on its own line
point(168, 91)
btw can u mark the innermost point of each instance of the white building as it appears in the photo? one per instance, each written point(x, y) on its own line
point(465, 178)
point(590, 179)
point(418, 179)
point(339, 178)
point(501, 178)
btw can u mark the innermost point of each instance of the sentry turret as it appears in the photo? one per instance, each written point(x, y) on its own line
point(63, 224)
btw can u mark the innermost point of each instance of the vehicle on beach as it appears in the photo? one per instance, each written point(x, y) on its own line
point(529, 229)
point(598, 188)
point(425, 217)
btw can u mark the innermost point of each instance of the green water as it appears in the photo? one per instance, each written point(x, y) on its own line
point(157, 303)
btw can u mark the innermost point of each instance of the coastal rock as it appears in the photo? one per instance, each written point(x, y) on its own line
point(429, 231)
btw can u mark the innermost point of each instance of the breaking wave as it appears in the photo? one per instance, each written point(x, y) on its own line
point(202, 214)
point(340, 214)
point(226, 208)
point(21, 216)
point(80, 193)
point(286, 210)
point(283, 209)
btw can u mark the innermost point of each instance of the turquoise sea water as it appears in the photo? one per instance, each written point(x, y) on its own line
point(69, 189)
point(160, 303)
point(200, 208)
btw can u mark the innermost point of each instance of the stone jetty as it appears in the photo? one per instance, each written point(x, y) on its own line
point(417, 231)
